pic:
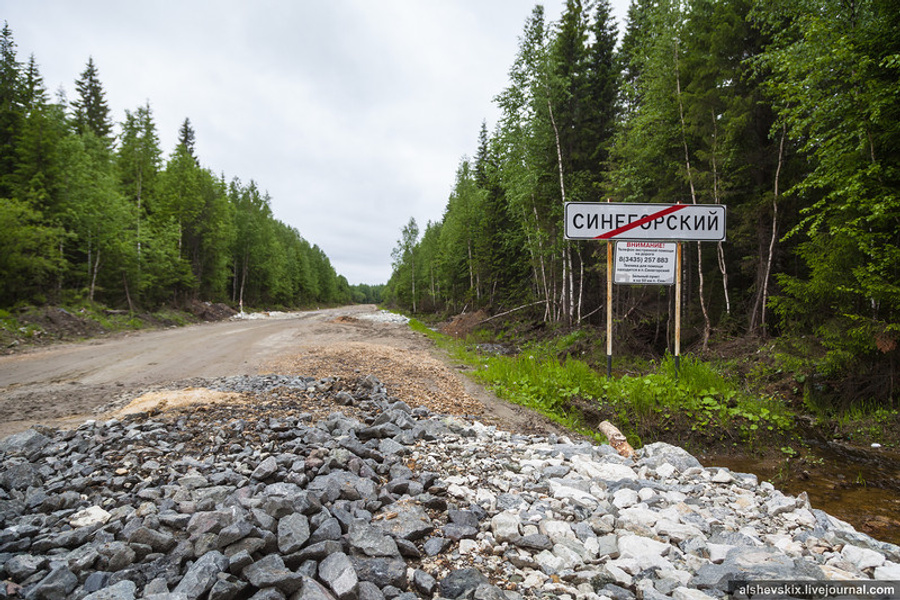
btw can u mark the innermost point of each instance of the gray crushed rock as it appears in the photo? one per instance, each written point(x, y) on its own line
point(376, 499)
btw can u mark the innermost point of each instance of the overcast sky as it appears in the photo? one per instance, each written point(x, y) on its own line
point(352, 114)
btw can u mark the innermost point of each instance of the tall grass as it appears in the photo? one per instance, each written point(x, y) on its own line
point(697, 391)
point(541, 382)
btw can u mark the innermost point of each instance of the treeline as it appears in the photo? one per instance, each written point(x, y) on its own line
point(91, 209)
point(788, 112)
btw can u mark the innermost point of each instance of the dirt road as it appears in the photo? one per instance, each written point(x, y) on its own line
point(67, 384)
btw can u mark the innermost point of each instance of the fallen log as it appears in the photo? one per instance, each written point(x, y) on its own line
point(513, 310)
point(616, 439)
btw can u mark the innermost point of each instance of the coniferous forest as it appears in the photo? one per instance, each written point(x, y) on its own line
point(92, 209)
point(787, 112)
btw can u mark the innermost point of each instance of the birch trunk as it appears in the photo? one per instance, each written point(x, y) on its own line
point(566, 274)
point(95, 268)
point(707, 326)
point(234, 281)
point(127, 293)
point(546, 286)
point(244, 270)
point(580, 282)
point(571, 283)
point(762, 299)
point(562, 292)
point(720, 250)
point(562, 185)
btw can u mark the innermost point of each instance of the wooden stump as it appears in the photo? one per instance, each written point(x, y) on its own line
point(616, 439)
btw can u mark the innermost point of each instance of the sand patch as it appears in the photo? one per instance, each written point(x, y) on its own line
point(171, 399)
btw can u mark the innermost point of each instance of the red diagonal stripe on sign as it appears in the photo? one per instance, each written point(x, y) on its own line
point(666, 211)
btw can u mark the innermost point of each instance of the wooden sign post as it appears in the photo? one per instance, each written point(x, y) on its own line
point(609, 308)
point(652, 225)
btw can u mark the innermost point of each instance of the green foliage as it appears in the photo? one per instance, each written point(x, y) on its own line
point(12, 97)
point(557, 345)
point(834, 79)
point(786, 111)
point(867, 423)
point(367, 294)
point(94, 214)
point(420, 327)
point(789, 451)
point(403, 282)
point(541, 383)
point(700, 394)
point(9, 325)
point(28, 257)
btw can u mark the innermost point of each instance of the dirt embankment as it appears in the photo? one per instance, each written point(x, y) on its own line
point(40, 327)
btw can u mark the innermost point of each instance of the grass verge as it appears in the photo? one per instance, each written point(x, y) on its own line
point(694, 405)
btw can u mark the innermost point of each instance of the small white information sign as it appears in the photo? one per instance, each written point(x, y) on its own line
point(645, 263)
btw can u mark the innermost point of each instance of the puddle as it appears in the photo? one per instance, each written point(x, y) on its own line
point(857, 485)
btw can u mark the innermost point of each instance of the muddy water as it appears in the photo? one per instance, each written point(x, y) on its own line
point(857, 485)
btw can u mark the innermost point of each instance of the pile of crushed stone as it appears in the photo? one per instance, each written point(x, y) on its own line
point(410, 376)
point(333, 489)
point(385, 316)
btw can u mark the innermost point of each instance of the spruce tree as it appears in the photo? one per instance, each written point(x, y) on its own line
point(567, 80)
point(38, 172)
point(139, 157)
point(11, 108)
point(139, 160)
point(187, 138)
point(33, 90)
point(603, 82)
point(91, 112)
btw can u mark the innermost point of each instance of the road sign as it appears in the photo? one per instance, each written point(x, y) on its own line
point(645, 263)
point(627, 221)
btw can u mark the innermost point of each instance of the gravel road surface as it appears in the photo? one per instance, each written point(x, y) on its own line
point(64, 385)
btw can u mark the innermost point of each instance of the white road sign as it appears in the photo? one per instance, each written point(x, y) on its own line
point(645, 263)
point(627, 221)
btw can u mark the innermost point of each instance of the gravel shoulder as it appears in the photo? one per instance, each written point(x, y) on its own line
point(64, 385)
